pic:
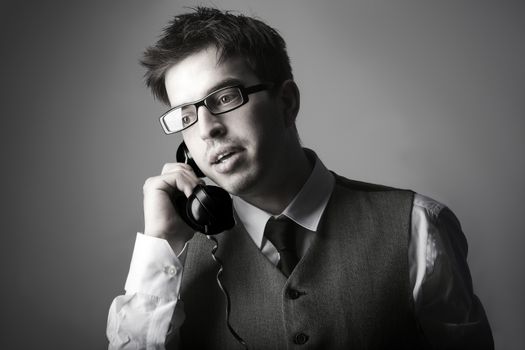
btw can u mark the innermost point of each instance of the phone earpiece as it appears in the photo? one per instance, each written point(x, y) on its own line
point(208, 209)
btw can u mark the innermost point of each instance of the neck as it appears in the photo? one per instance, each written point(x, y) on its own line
point(276, 196)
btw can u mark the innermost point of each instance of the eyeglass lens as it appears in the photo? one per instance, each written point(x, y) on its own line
point(218, 102)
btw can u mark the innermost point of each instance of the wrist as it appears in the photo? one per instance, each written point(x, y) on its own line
point(176, 241)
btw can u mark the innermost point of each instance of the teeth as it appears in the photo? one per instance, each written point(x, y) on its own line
point(222, 156)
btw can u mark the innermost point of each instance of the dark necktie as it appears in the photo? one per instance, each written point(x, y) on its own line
point(282, 235)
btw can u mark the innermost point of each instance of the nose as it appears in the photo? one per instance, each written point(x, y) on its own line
point(210, 126)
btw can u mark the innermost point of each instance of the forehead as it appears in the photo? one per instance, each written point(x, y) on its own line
point(201, 73)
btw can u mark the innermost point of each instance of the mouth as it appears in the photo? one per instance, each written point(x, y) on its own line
point(222, 155)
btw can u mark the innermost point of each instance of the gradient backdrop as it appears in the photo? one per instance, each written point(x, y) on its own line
point(415, 94)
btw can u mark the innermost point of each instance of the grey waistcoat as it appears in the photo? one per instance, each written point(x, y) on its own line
point(353, 282)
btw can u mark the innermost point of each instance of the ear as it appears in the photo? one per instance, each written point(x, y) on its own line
point(290, 98)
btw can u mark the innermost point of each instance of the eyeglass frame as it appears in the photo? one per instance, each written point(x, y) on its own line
point(245, 91)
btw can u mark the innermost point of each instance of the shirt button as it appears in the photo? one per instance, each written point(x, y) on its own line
point(300, 338)
point(293, 293)
point(170, 270)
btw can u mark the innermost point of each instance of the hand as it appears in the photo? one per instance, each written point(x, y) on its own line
point(161, 219)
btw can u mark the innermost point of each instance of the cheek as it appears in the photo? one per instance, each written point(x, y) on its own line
point(269, 128)
point(264, 123)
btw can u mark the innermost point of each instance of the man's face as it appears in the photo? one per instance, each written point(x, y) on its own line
point(238, 150)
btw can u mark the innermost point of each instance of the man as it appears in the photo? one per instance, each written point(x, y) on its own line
point(370, 267)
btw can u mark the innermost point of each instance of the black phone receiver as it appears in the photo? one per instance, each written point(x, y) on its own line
point(208, 209)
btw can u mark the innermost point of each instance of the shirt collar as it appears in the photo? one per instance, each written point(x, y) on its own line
point(305, 209)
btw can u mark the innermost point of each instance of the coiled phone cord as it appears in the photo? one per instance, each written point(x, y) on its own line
point(219, 282)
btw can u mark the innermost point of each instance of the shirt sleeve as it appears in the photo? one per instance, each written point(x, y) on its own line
point(150, 308)
point(448, 311)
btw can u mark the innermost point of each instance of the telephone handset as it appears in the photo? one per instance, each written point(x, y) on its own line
point(209, 208)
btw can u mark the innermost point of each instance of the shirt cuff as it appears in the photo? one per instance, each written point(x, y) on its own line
point(155, 269)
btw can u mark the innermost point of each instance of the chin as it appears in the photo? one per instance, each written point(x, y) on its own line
point(237, 184)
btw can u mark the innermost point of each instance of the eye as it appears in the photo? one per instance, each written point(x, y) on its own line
point(187, 115)
point(186, 120)
point(224, 100)
point(227, 98)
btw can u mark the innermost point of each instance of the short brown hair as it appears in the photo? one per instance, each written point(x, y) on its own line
point(263, 49)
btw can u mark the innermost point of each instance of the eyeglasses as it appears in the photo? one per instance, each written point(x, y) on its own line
point(218, 102)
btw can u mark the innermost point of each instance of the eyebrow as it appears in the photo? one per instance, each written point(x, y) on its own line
point(222, 84)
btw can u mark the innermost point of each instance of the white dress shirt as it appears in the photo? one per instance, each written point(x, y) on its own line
point(140, 318)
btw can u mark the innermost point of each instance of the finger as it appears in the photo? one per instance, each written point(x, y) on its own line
point(170, 167)
point(178, 180)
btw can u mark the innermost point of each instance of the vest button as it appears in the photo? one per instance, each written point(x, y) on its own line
point(300, 338)
point(293, 293)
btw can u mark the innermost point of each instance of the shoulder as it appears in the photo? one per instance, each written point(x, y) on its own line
point(436, 213)
point(370, 197)
point(439, 224)
point(370, 190)
point(427, 206)
point(355, 185)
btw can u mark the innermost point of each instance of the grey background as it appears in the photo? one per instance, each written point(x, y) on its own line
point(415, 94)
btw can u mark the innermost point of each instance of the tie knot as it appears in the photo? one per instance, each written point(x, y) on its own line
point(280, 232)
